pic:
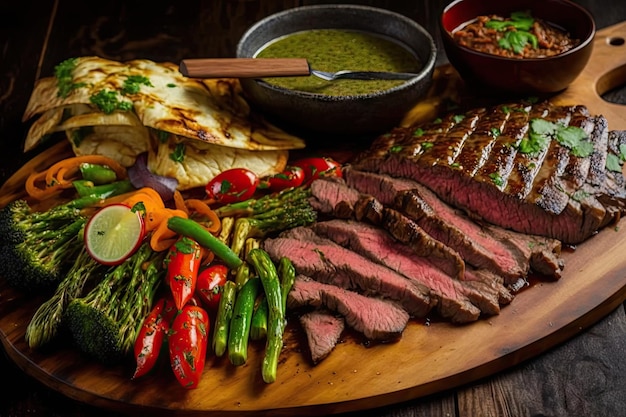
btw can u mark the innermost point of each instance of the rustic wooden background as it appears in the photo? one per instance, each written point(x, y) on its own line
point(583, 377)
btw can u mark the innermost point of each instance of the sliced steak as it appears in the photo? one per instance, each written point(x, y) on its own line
point(376, 318)
point(410, 233)
point(332, 196)
point(474, 243)
point(327, 262)
point(457, 302)
point(323, 330)
point(535, 192)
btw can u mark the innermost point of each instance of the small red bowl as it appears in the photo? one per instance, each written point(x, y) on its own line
point(496, 75)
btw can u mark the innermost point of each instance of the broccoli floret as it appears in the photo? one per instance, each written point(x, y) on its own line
point(104, 323)
point(37, 248)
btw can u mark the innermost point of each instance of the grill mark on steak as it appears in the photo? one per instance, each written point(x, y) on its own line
point(323, 330)
point(327, 262)
point(375, 318)
point(454, 299)
point(536, 214)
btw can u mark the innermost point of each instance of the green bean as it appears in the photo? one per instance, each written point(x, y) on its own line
point(239, 332)
point(193, 230)
point(97, 174)
point(223, 317)
point(265, 268)
point(258, 326)
point(287, 276)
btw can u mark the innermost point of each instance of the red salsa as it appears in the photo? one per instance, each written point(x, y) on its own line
point(518, 36)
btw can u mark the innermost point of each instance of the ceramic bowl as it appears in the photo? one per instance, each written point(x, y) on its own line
point(363, 114)
point(495, 74)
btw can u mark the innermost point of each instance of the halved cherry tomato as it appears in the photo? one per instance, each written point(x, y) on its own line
point(183, 264)
point(291, 176)
point(188, 342)
point(232, 185)
point(210, 283)
point(151, 336)
point(317, 167)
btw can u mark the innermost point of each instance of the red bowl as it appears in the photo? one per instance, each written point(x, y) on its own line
point(496, 75)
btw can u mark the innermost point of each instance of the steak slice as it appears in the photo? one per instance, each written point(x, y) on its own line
point(530, 192)
point(323, 330)
point(327, 262)
point(377, 318)
point(457, 302)
point(410, 233)
point(335, 197)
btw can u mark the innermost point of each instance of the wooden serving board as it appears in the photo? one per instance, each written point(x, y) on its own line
point(429, 358)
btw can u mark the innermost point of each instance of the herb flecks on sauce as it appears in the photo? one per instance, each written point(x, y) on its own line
point(335, 50)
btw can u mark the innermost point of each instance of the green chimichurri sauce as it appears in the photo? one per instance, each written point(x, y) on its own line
point(335, 50)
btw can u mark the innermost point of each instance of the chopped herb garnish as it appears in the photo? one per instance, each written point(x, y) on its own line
point(133, 83)
point(438, 120)
point(65, 79)
point(495, 132)
point(613, 163)
point(108, 101)
point(506, 109)
point(81, 133)
point(171, 85)
point(516, 31)
point(162, 135)
point(518, 20)
point(455, 165)
point(458, 118)
point(179, 153)
point(427, 145)
point(396, 148)
point(418, 132)
point(496, 178)
point(580, 195)
point(543, 131)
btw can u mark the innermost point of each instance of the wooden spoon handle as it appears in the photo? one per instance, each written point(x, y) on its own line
point(243, 67)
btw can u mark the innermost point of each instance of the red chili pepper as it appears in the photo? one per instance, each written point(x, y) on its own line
point(210, 283)
point(151, 335)
point(232, 185)
point(317, 167)
point(188, 345)
point(183, 263)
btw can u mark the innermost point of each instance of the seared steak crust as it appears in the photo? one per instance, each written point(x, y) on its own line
point(473, 161)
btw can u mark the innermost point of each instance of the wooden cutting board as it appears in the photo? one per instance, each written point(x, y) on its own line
point(430, 357)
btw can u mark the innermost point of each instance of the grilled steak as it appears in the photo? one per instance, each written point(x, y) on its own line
point(327, 262)
point(323, 330)
point(456, 301)
point(489, 163)
point(376, 318)
point(483, 246)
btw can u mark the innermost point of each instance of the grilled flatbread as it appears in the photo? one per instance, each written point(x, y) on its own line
point(212, 111)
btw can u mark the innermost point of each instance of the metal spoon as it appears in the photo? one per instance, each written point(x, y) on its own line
point(274, 67)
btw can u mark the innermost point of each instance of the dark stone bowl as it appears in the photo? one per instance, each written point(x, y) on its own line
point(339, 115)
point(494, 75)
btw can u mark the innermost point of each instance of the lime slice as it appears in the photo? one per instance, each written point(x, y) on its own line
point(114, 233)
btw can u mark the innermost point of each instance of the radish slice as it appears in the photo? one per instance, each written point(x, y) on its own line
point(114, 233)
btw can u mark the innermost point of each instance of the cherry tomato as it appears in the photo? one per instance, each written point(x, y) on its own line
point(151, 336)
point(188, 342)
point(183, 264)
point(210, 283)
point(291, 176)
point(232, 185)
point(317, 167)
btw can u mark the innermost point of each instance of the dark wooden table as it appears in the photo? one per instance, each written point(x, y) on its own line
point(583, 377)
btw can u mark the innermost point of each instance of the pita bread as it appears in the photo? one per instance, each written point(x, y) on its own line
point(212, 111)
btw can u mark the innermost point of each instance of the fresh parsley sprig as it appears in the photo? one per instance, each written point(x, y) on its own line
point(516, 30)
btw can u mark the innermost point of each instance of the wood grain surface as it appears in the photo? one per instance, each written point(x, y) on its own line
point(583, 376)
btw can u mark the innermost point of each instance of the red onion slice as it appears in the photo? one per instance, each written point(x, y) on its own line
point(140, 176)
